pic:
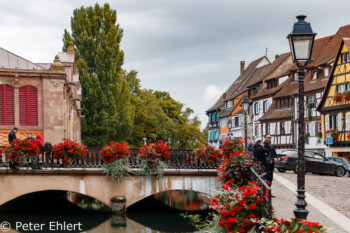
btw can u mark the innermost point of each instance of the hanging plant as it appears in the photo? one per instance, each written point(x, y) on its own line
point(337, 98)
point(68, 151)
point(208, 154)
point(334, 134)
point(115, 156)
point(319, 138)
point(309, 111)
point(346, 96)
point(307, 138)
point(152, 159)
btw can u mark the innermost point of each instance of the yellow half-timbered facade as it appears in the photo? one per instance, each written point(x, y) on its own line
point(335, 104)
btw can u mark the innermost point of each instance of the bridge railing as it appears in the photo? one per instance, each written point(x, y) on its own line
point(179, 159)
point(266, 190)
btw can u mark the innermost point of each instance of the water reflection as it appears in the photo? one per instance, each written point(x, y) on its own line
point(149, 215)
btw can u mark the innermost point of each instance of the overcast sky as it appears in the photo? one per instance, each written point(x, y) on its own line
point(190, 48)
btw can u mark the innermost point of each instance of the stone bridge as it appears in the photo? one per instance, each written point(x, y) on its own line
point(95, 184)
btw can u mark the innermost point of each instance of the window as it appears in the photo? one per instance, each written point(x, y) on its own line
point(7, 110)
point(28, 105)
point(319, 128)
point(348, 86)
point(295, 76)
point(307, 129)
point(332, 122)
point(345, 58)
point(236, 122)
point(268, 128)
point(257, 108)
point(341, 88)
point(265, 106)
point(314, 75)
point(326, 72)
point(278, 104)
point(282, 103)
point(214, 116)
point(311, 99)
point(283, 129)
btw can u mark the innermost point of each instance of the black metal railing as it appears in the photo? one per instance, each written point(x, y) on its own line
point(179, 159)
point(266, 193)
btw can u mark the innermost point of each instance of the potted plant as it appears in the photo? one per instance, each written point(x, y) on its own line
point(334, 134)
point(67, 151)
point(21, 153)
point(231, 146)
point(337, 98)
point(207, 154)
point(115, 157)
point(347, 96)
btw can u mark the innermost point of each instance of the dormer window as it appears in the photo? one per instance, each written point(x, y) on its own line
point(272, 83)
point(314, 75)
point(345, 58)
point(326, 72)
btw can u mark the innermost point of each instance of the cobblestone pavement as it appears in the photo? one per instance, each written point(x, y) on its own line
point(332, 190)
point(283, 206)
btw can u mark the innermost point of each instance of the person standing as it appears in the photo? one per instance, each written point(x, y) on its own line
point(39, 143)
point(250, 146)
point(260, 153)
point(12, 135)
point(30, 137)
point(272, 160)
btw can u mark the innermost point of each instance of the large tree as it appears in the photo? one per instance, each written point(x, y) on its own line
point(105, 89)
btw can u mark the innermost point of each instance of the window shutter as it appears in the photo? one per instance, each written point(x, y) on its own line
point(2, 105)
point(28, 105)
point(7, 113)
point(340, 122)
point(326, 122)
point(348, 121)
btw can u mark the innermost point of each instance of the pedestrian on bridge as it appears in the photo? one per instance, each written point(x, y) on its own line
point(260, 153)
point(12, 135)
point(39, 143)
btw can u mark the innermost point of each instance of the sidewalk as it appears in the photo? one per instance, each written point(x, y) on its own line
point(285, 199)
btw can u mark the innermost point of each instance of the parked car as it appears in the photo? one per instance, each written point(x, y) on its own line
point(314, 162)
point(343, 161)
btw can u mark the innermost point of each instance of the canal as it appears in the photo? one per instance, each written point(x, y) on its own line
point(53, 211)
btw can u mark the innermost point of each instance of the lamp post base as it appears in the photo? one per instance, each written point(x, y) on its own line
point(300, 212)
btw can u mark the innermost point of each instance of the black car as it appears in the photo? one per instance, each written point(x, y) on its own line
point(342, 161)
point(314, 162)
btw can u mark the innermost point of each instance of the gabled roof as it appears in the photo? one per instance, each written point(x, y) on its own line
point(9, 60)
point(324, 52)
point(237, 83)
point(346, 41)
point(227, 112)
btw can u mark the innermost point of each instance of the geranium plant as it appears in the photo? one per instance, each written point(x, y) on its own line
point(115, 156)
point(346, 96)
point(334, 134)
point(20, 153)
point(337, 98)
point(292, 226)
point(208, 154)
point(67, 151)
point(230, 147)
point(152, 159)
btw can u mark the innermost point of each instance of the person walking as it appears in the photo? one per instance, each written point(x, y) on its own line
point(30, 137)
point(272, 160)
point(12, 135)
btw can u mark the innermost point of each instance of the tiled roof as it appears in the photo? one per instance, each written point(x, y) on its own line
point(237, 83)
point(273, 114)
point(227, 112)
point(9, 60)
point(324, 52)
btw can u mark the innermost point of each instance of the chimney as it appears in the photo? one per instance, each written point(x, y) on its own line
point(242, 66)
point(224, 96)
point(277, 56)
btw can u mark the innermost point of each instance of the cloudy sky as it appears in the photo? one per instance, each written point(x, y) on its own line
point(190, 48)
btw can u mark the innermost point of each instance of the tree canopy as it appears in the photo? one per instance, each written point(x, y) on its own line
point(115, 106)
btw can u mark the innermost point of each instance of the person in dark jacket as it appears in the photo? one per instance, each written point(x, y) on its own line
point(30, 137)
point(260, 153)
point(250, 146)
point(12, 135)
point(271, 163)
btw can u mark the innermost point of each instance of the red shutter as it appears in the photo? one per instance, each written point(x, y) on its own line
point(23, 105)
point(7, 113)
point(33, 106)
point(10, 106)
point(2, 105)
point(28, 105)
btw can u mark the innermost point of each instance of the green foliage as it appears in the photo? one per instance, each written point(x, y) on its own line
point(118, 169)
point(146, 170)
point(307, 136)
point(208, 225)
point(319, 138)
point(105, 90)
point(115, 106)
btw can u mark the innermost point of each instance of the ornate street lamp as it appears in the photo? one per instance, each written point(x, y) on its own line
point(196, 140)
point(145, 141)
point(301, 41)
point(229, 124)
point(245, 106)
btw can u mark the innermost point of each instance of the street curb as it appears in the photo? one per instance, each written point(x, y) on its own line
point(326, 210)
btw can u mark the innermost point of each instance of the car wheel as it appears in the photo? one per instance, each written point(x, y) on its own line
point(296, 168)
point(282, 170)
point(340, 171)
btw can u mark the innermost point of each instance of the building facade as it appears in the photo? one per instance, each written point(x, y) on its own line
point(40, 98)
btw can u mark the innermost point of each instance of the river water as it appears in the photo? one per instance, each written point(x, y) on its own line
point(50, 211)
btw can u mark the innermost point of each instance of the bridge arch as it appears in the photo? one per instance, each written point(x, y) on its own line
point(102, 188)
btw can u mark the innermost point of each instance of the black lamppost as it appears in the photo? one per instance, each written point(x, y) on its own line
point(196, 140)
point(301, 41)
point(245, 106)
